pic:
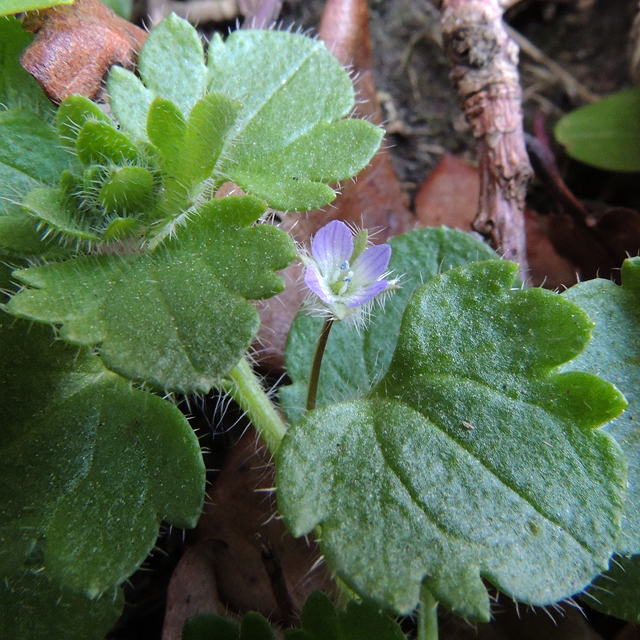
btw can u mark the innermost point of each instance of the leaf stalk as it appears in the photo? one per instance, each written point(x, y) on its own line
point(244, 387)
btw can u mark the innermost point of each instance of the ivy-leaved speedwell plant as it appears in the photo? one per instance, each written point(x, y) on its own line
point(452, 437)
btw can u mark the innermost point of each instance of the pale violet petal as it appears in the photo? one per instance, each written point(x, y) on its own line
point(366, 293)
point(332, 246)
point(370, 265)
point(317, 284)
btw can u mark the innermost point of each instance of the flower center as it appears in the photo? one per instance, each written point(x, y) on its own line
point(341, 279)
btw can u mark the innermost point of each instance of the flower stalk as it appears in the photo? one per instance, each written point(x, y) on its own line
point(312, 394)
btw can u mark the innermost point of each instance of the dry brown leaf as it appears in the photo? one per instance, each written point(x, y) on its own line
point(192, 590)
point(374, 200)
point(242, 504)
point(449, 196)
point(76, 45)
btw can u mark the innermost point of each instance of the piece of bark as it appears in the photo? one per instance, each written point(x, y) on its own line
point(76, 45)
point(374, 200)
point(484, 72)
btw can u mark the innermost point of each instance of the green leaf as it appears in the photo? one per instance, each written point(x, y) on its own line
point(360, 621)
point(130, 102)
point(616, 591)
point(100, 143)
point(474, 458)
point(614, 354)
point(52, 208)
point(605, 134)
point(171, 63)
point(177, 318)
point(89, 465)
point(355, 361)
point(127, 190)
point(7, 7)
point(30, 157)
point(212, 627)
point(290, 137)
point(73, 113)
point(188, 149)
point(18, 89)
point(33, 607)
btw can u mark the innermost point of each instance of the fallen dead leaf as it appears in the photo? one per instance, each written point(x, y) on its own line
point(225, 568)
point(76, 45)
point(192, 590)
point(449, 196)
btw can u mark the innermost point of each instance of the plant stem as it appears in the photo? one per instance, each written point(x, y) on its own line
point(427, 616)
point(312, 395)
point(244, 387)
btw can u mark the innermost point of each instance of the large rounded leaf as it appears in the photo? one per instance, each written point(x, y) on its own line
point(473, 458)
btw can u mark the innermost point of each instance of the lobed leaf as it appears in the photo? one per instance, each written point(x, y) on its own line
point(290, 136)
point(613, 354)
point(89, 466)
point(355, 361)
point(177, 318)
point(473, 457)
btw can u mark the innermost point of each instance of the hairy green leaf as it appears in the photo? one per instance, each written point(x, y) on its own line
point(614, 353)
point(605, 134)
point(360, 621)
point(30, 157)
point(291, 135)
point(31, 606)
point(616, 591)
point(89, 465)
point(176, 318)
point(473, 458)
point(73, 113)
point(355, 361)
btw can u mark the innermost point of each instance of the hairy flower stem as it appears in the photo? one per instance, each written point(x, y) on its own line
point(244, 387)
point(427, 616)
point(312, 395)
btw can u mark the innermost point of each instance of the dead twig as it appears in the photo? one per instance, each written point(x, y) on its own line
point(485, 74)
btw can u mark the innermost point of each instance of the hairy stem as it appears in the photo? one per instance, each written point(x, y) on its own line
point(244, 387)
point(312, 395)
point(427, 616)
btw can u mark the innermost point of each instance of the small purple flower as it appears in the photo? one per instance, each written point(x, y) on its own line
point(343, 272)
